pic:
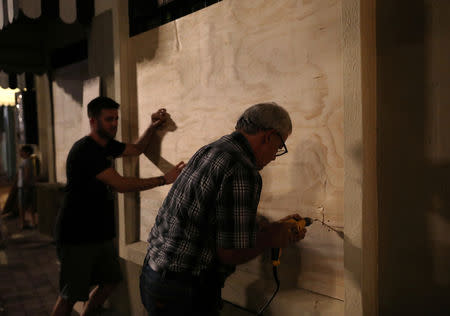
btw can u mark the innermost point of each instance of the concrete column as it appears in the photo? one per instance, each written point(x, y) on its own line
point(360, 193)
point(45, 128)
point(128, 202)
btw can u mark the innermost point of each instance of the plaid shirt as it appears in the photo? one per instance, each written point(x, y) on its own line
point(211, 205)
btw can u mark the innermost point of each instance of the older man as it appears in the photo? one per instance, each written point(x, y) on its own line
point(207, 223)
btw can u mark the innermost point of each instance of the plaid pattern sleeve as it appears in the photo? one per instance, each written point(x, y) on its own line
point(212, 204)
point(237, 203)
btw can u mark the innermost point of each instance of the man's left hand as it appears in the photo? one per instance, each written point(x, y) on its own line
point(173, 173)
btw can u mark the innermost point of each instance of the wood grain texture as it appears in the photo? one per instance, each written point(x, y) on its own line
point(208, 67)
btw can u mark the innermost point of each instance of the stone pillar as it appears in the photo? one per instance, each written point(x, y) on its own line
point(360, 193)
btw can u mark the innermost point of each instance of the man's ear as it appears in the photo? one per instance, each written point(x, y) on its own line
point(267, 135)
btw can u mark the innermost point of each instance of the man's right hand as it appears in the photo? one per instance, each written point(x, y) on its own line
point(173, 173)
point(159, 118)
point(284, 233)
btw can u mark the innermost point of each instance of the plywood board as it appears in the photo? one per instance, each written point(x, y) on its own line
point(208, 67)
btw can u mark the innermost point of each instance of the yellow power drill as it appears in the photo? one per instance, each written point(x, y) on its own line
point(276, 252)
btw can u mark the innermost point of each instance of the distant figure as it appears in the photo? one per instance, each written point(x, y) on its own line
point(26, 180)
point(207, 224)
point(3, 234)
point(85, 226)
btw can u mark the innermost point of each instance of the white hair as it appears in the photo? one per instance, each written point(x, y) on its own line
point(265, 116)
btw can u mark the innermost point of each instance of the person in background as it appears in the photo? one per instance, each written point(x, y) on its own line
point(26, 180)
point(207, 224)
point(85, 225)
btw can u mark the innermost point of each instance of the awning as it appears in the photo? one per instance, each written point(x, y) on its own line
point(16, 81)
point(68, 11)
point(35, 33)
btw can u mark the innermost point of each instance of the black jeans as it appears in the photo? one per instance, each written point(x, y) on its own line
point(171, 294)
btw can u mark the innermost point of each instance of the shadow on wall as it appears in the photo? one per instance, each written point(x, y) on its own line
point(70, 79)
point(100, 60)
point(154, 152)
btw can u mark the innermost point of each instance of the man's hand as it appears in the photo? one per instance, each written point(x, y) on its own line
point(284, 233)
point(297, 217)
point(159, 118)
point(280, 234)
point(173, 173)
point(298, 234)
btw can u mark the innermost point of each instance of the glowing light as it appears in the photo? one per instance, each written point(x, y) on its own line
point(8, 96)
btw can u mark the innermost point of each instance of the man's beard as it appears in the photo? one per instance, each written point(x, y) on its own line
point(103, 133)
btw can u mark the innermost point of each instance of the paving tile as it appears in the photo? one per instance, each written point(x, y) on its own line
point(16, 313)
point(29, 276)
point(16, 310)
point(34, 313)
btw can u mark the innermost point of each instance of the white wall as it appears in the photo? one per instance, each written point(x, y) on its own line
point(69, 114)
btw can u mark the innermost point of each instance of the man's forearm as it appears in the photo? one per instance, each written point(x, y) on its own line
point(128, 184)
point(240, 256)
point(144, 141)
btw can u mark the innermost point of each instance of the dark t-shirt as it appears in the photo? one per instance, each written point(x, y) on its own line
point(87, 212)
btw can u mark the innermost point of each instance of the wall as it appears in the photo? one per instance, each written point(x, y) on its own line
point(413, 156)
point(68, 112)
point(208, 67)
point(75, 85)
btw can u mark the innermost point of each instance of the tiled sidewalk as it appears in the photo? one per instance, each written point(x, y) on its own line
point(28, 273)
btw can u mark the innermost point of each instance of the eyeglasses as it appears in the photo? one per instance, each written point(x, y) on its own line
point(283, 150)
point(280, 151)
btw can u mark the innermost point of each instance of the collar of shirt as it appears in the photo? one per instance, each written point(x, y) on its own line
point(244, 147)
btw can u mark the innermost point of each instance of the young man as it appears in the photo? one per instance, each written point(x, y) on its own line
point(85, 225)
point(207, 223)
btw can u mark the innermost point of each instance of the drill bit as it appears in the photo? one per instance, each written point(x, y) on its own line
point(339, 232)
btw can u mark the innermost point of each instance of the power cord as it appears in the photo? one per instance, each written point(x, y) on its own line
point(277, 281)
point(262, 310)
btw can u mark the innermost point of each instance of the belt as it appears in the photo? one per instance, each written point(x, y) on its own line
point(183, 276)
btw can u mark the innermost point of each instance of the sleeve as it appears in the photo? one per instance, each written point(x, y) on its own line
point(115, 148)
point(236, 207)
